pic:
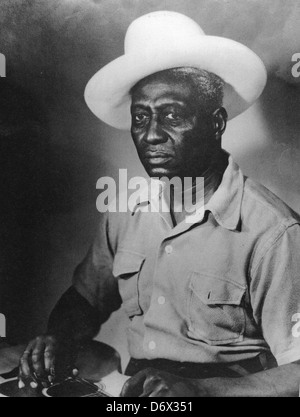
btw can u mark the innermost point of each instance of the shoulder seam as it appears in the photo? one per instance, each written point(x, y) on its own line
point(278, 213)
point(273, 239)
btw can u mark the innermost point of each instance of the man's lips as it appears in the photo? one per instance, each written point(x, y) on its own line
point(157, 158)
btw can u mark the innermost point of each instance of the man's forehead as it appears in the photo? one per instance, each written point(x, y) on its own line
point(162, 77)
point(162, 89)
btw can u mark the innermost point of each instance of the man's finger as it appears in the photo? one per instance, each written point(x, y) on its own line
point(38, 357)
point(24, 365)
point(21, 383)
point(160, 391)
point(25, 373)
point(134, 386)
point(49, 359)
point(51, 369)
point(25, 370)
point(151, 383)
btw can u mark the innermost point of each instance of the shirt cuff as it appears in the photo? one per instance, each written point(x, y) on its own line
point(290, 356)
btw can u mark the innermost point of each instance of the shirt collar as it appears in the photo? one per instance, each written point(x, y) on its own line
point(225, 204)
point(154, 190)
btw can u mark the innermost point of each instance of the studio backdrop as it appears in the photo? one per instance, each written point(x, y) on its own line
point(53, 150)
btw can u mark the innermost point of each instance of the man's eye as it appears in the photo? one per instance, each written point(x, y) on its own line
point(173, 117)
point(140, 118)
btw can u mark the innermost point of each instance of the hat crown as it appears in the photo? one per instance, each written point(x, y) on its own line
point(162, 40)
point(163, 30)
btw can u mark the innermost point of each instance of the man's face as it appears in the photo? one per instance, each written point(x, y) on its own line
point(172, 133)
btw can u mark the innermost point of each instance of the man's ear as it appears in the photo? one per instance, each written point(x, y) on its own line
point(220, 118)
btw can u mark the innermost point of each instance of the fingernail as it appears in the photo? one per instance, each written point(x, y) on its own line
point(75, 372)
point(21, 385)
point(34, 385)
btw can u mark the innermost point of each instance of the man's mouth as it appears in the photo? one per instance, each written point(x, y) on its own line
point(157, 158)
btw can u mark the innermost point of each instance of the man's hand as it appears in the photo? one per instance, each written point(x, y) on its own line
point(39, 360)
point(155, 383)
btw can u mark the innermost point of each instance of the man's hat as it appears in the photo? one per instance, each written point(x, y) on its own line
point(162, 40)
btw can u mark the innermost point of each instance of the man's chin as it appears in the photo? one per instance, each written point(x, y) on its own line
point(159, 172)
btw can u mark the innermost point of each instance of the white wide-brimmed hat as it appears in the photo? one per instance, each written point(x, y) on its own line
point(162, 40)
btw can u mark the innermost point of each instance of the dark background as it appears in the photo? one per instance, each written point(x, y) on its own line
point(53, 149)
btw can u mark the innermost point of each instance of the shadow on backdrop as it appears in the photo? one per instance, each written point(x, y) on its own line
point(37, 184)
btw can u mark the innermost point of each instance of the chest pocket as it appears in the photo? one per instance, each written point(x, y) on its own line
point(126, 267)
point(215, 311)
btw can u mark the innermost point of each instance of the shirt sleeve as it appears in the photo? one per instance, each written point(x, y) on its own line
point(275, 295)
point(93, 278)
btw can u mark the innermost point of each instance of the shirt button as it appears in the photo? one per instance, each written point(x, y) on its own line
point(169, 249)
point(161, 300)
point(152, 345)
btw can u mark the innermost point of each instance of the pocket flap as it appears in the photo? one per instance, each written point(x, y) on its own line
point(214, 290)
point(126, 262)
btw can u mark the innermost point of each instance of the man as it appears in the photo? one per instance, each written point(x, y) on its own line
point(212, 300)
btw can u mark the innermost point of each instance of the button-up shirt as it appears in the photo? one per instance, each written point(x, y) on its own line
point(221, 288)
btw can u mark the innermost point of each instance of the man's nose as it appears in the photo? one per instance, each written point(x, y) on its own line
point(155, 133)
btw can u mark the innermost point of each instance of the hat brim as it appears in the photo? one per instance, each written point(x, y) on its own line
point(107, 94)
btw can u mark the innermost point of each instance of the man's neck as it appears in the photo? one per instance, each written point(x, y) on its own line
point(200, 192)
